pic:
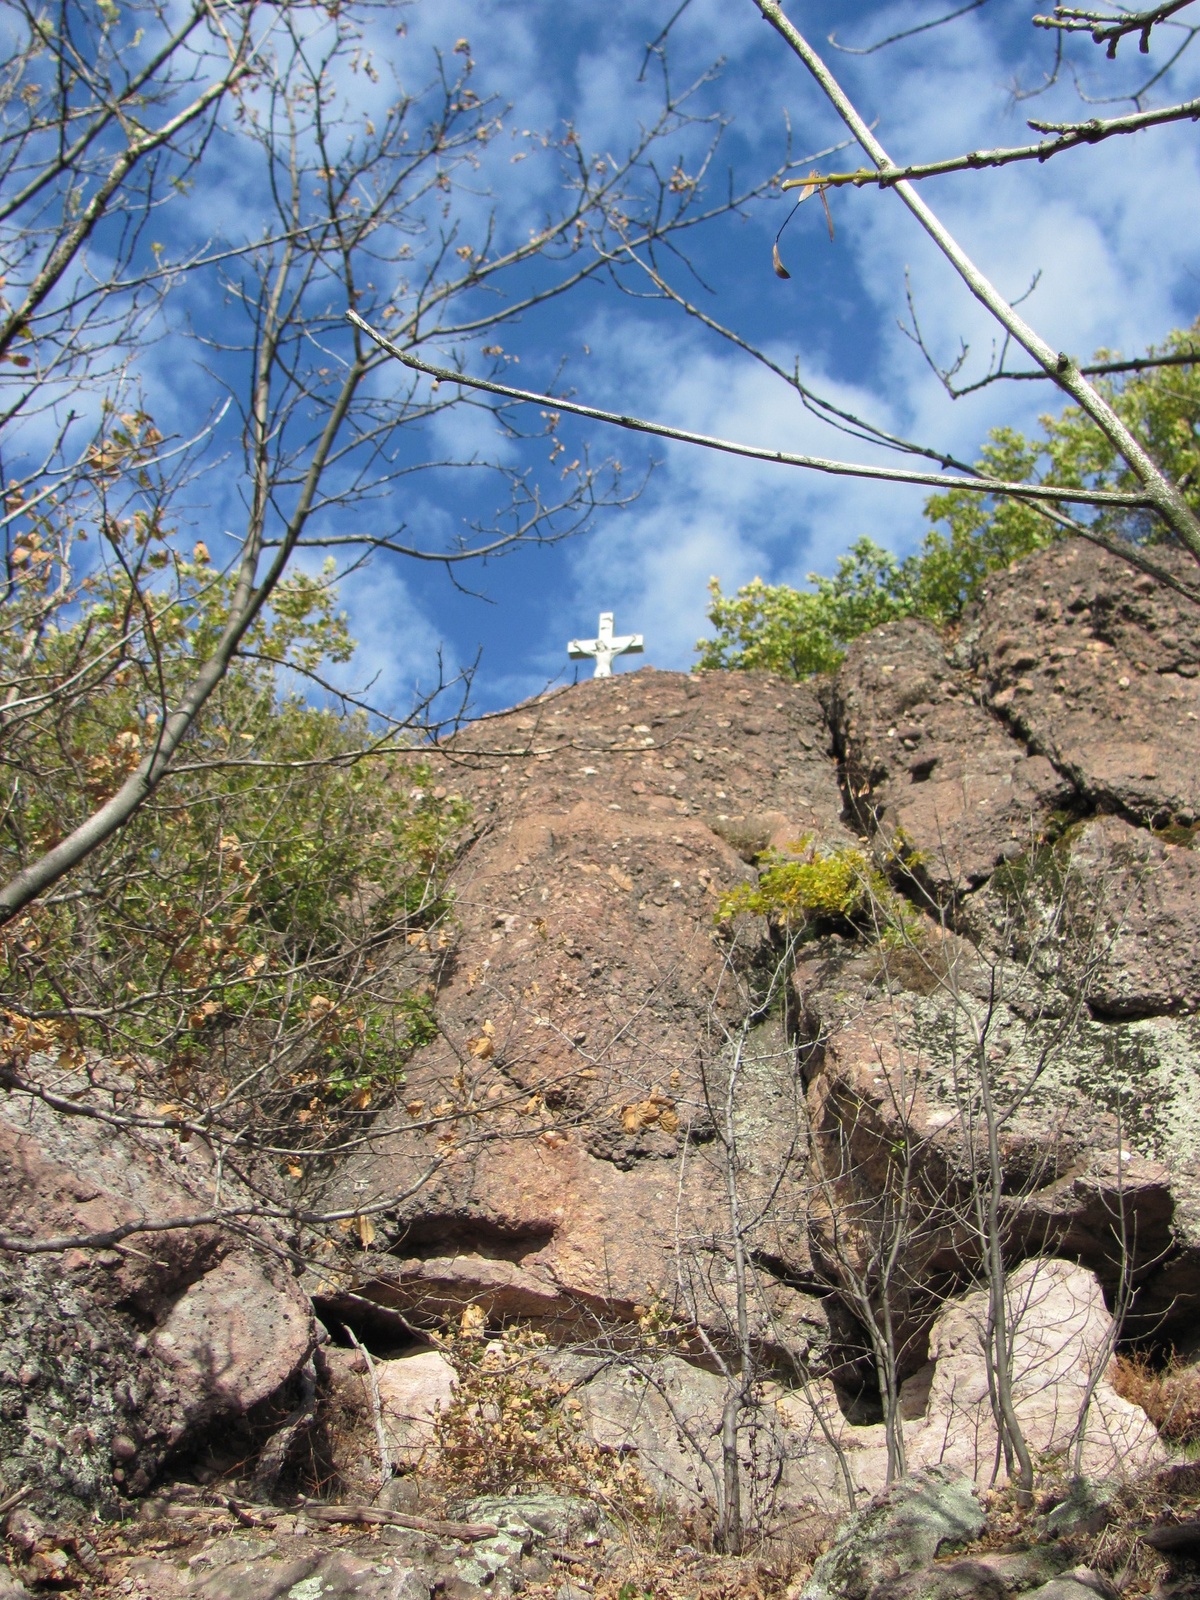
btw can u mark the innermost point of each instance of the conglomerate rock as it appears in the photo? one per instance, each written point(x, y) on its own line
point(1097, 668)
point(929, 765)
point(561, 1156)
point(588, 1002)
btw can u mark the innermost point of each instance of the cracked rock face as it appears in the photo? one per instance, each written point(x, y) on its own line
point(1098, 670)
point(558, 1156)
point(563, 1115)
point(928, 764)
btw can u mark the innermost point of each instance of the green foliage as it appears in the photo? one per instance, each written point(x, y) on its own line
point(843, 885)
point(259, 918)
point(796, 633)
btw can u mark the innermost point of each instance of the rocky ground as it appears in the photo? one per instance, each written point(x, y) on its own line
point(561, 1157)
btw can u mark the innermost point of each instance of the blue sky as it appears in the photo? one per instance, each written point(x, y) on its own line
point(1113, 231)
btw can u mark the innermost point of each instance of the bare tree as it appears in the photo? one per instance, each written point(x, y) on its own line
point(1065, 507)
point(343, 212)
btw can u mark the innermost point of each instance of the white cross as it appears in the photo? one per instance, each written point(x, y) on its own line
point(604, 646)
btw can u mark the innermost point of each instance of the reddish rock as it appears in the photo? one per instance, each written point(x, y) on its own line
point(1097, 669)
point(587, 992)
point(1138, 919)
point(108, 1359)
point(929, 766)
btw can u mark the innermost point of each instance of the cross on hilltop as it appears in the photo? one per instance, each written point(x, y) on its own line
point(605, 646)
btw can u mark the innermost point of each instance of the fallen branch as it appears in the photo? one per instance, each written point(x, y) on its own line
point(14, 1499)
point(385, 1459)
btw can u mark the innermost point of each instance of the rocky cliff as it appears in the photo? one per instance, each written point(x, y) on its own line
point(1045, 764)
point(670, 1141)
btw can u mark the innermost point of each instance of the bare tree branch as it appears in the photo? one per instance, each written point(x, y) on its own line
point(1069, 137)
point(1110, 30)
point(1034, 491)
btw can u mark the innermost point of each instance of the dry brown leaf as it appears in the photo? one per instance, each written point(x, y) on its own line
point(366, 1230)
point(828, 214)
point(777, 262)
point(636, 1117)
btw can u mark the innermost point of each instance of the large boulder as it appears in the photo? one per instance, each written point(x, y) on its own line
point(1061, 1336)
point(899, 1531)
point(584, 1001)
point(112, 1359)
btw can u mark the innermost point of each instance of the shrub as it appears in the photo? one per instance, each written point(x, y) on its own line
point(258, 921)
point(843, 885)
point(511, 1427)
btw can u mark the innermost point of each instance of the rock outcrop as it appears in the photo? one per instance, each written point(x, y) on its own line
point(586, 998)
point(570, 1112)
point(111, 1360)
point(631, 1107)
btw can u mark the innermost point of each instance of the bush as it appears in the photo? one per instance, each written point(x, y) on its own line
point(845, 885)
point(512, 1427)
point(1169, 1395)
point(253, 929)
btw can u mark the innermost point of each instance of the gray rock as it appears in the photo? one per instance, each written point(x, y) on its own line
point(1081, 1583)
point(990, 1575)
point(236, 1569)
point(10, 1587)
point(901, 1530)
point(551, 1516)
point(1084, 1511)
point(109, 1360)
point(957, 1580)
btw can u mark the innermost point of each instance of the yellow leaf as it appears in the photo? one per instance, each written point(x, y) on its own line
point(473, 1321)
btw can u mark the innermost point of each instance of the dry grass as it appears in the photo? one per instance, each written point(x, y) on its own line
point(1170, 1395)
